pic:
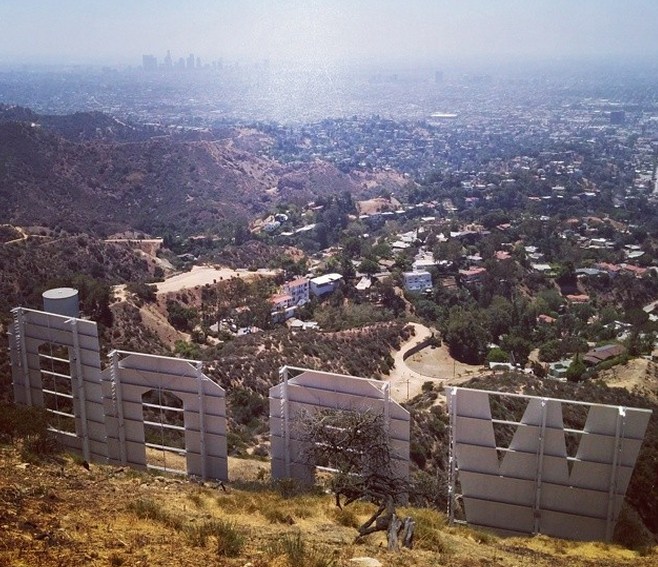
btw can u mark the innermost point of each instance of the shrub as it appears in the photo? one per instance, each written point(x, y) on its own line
point(230, 541)
point(181, 318)
point(31, 425)
point(144, 292)
point(147, 509)
point(427, 535)
point(631, 532)
point(576, 370)
point(298, 553)
point(22, 421)
point(345, 517)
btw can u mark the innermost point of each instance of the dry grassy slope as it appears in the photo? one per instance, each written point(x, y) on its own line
point(28, 266)
point(638, 375)
point(106, 187)
point(58, 513)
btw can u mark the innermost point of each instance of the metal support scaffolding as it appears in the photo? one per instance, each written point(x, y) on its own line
point(81, 395)
point(536, 487)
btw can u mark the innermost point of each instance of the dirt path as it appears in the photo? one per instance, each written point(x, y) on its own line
point(431, 364)
point(202, 275)
point(24, 235)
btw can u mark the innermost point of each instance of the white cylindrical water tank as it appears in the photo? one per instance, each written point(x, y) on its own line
point(62, 301)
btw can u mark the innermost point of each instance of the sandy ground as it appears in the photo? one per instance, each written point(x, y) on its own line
point(638, 375)
point(240, 470)
point(202, 275)
point(431, 364)
point(377, 205)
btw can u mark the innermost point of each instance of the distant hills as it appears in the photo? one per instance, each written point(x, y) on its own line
point(89, 172)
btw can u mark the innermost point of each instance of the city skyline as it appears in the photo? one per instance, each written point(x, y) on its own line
point(326, 33)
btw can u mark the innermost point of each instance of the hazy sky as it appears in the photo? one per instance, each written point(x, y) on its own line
point(120, 31)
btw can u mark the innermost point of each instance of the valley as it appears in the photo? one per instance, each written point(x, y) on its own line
point(511, 247)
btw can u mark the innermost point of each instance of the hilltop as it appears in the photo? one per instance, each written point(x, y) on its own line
point(89, 172)
point(48, 518)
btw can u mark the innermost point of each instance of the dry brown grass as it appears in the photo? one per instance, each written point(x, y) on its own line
point(60, 514)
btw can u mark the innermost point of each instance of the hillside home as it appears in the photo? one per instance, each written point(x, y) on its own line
point(299, 290)
point(282, 307)
point(611, 269)
point(417, 280)
point(472, 275)
point(577, 298)
point(364, 283)
point(599, 354)
point(545, 319)
point(325, 284)
point(637, 271)
point(542, 268)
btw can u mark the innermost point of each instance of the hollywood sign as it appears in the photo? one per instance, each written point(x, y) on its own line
point(164, 413)
point(532, 484)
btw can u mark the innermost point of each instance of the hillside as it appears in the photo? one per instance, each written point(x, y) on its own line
point(81, 126)
point(77, 173)
point(44, 259)
point(139, 519)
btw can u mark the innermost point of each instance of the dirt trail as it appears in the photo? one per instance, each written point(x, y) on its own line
point(24, 235)
point(431, 364)
point(202, 275)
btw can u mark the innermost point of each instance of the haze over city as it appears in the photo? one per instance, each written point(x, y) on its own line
point(410, 245)
point(326, 33)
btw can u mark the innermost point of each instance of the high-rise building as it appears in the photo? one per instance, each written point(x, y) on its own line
point(150, 62)
point(168, 63)
point(190, 61)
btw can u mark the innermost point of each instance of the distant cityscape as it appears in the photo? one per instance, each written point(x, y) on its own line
point(169, 63)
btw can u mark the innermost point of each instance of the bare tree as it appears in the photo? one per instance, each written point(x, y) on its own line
point(355, 448)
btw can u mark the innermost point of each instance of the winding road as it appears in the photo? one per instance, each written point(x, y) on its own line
point(445, 370)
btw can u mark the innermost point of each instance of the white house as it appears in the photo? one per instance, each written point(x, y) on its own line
point(282, 307)
point(325, 284)
point(299, 290)
point(417, 280)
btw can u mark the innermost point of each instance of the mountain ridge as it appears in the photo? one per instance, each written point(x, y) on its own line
point(103, 186)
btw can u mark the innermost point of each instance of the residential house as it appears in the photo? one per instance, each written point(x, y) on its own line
point(299, 289)
point(282, 307)
point(418, 280)
point(599, 354)
point(472, 275)
point(327, 283)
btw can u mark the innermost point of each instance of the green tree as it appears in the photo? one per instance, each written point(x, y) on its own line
point(576, 369)
point(181, 317)
point(466, 335)
point(518, 347)
point(369, 266)
point(551, 351)
point(499, 316)
point(497, 354)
